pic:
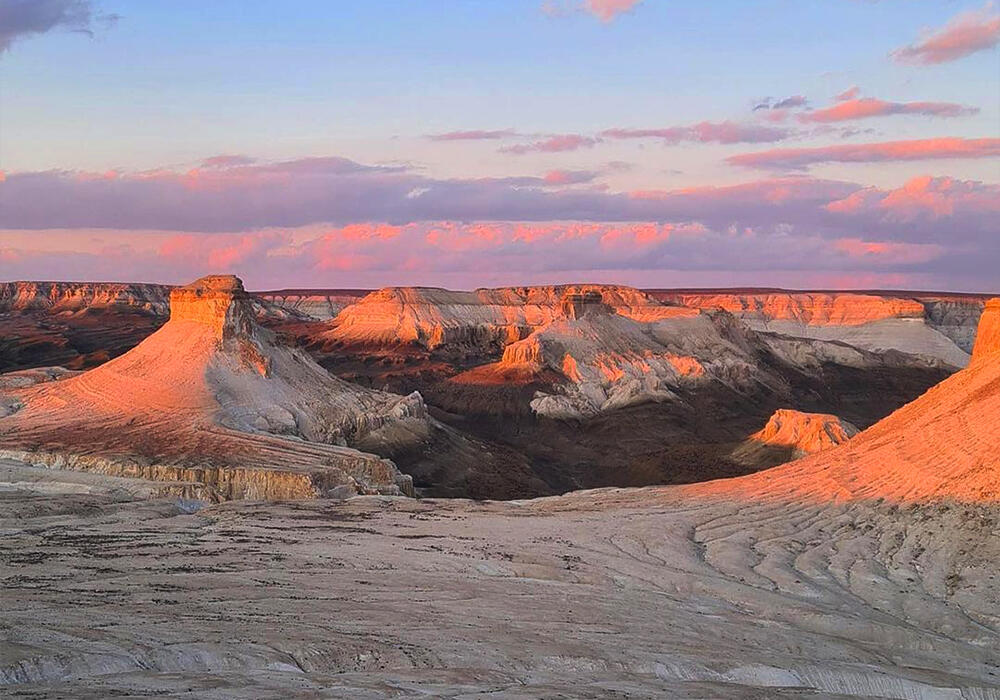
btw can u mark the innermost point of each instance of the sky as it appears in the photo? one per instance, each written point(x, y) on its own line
point(659, 143)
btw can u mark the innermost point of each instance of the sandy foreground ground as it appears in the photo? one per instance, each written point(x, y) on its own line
point(613, 593)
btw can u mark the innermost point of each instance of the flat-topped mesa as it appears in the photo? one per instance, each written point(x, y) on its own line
point(988, 334)
point(805, 432)
point(216, 301)
point(791, 434)
point(811, 308)
point(75, 297)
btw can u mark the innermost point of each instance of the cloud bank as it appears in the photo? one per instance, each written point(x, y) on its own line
point(24, 18)
point(336, 222)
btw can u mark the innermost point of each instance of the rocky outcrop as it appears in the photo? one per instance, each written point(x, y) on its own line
point(791, 434)
point(218, 302)
point(81, 325)
point(211, 397)
point(608, 361)
point(930, 328)
point(445, 320)
point(988, 339)
point(954, 316)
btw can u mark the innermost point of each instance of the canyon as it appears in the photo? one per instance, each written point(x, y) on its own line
point(864, 569)
point(531, 391)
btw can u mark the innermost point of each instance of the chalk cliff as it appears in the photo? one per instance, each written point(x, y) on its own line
point(610, 361)
point(936, 328)
point(441, 318)
point(71, 297)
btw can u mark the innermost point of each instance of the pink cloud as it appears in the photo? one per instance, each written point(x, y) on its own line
point(899, 253)
point(607, 10)
point(920, 149)
point(465, 254)
point(848, 94)
point(553, 144)
point(964, 34)
point(866, 107)
point(222, 252)
point(923, 197)
point(704, 132)
point(855, 247)
point(369, 231)
point(568, 177)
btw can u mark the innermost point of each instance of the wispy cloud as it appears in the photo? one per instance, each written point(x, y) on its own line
point(705, 132)
point(23, 18)
point(473, 135)
point(866, 107)
point(920, 149)
point(226, 161)
point(557, 143)
point(604, 10)
point(793, 102)
point(963, 35)
point(848, 94)
point(569, 177)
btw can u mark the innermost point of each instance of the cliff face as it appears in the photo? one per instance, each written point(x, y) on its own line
point(955, 317)
point(440, 318)
point(70, 297)
point(608, 361)
point(987, 344)
point(315, 306)
point(219, 303)
point(936, 328)
point(817, 309)
point(212, 389)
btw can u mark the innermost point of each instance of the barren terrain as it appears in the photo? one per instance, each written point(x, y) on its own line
point(866, 570)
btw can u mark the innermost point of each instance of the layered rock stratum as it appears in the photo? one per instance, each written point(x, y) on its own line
point(938, 327)
point(436, 318)
point(315, 305)
point(609, 361)
point(210, 399)
point(71, 297)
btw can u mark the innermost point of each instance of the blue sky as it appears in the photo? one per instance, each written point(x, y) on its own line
point(168, 84)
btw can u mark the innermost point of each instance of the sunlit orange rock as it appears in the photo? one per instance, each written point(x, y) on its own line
point(791, 434)
point(988, 339)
